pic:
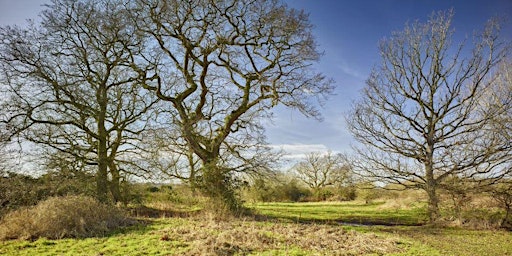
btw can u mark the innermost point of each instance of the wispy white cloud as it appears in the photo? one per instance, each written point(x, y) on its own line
point(349, 70)
point(295, 152)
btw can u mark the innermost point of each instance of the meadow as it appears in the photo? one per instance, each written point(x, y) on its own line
point(341, 228)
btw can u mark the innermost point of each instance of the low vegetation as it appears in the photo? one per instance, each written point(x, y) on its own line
point(352, 213)
point(62, 217)
point(274, 229)
point(175, 220)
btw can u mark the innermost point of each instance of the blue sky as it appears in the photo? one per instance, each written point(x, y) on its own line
point(348, 32)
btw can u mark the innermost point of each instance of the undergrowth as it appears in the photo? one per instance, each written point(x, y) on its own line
point(62, 217)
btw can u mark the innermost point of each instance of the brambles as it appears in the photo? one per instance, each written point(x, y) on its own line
point(60, 217)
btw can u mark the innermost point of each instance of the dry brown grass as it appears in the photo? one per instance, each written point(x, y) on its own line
point(476, 212)
point(242, 237)
point(404, 200)
point(59, 217)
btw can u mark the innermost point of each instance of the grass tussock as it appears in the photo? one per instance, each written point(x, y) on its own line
point(62, 217)
point(213, 237)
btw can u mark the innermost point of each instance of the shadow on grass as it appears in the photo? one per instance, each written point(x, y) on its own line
point(143, 217)
point(147, 212)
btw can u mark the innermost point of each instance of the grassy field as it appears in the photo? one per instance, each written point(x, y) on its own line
point(344, 213)
point(202, 236)
point(283, 229)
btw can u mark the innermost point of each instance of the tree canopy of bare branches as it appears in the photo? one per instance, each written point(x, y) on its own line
point(71, 86)
point(420, 119)
point(222, 66)
point(319, 171)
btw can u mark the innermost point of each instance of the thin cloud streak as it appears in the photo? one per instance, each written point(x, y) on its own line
point(298, 151)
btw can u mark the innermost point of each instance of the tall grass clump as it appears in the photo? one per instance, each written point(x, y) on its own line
point(62, 217)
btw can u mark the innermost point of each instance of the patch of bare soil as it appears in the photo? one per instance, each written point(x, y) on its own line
point(238, 237)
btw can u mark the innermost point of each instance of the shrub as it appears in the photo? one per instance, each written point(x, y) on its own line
point(18, 190)
point(291, 191)
point(346, 193)
point(60, 217)
point(179, 197)
point(278, 189)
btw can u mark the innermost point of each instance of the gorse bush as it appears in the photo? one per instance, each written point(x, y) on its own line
point(60, 217)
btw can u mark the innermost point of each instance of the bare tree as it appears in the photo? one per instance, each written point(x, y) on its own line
point(71, 86)
point(499, 100)
point(246, 155)
point(420, 117)
point(222, 66)
point(170, 159)
point(320, 170)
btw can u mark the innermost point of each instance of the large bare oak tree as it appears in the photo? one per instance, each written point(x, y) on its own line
point(420, 119)
point(222, 66)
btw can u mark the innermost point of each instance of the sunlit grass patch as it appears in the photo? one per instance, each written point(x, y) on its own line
point(449, 241)
point(279, 234)
point(250, 237)
point(346, 212)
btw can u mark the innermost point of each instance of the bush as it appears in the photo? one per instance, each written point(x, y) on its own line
point(61, 217)
point(18, 190)
point(346, 193)
point(278, 191)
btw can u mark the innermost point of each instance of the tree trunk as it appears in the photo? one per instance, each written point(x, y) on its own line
point(115, 183)
point(430, 181)
point(220, 188)
point(506, 223)
point(102, 174)
point(433, 202)
point(192, 178)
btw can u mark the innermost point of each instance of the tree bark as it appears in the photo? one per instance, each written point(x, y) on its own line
point(102, 174)
point(433, 202)
point(115, 189)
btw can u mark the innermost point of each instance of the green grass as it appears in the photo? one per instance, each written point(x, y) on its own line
point(450, 241)
point(348, 212)
point(138, 240)
point(414, 238)
point(189, 236)
point(283, 229)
